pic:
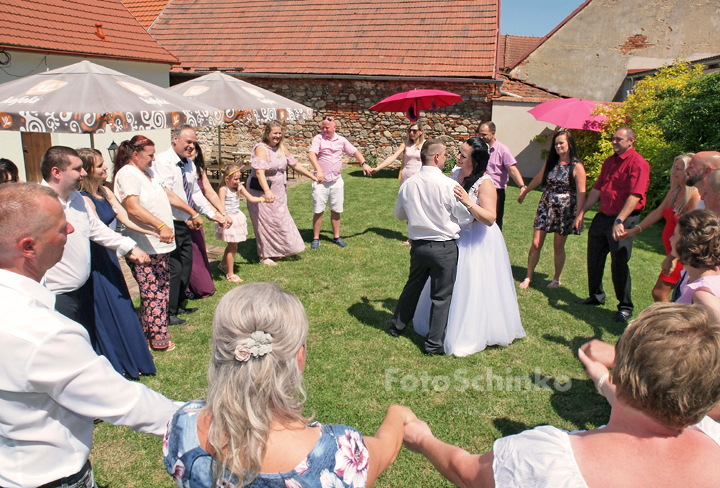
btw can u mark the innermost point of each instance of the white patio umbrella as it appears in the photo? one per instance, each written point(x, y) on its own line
point(241, 101)
point(89, 98)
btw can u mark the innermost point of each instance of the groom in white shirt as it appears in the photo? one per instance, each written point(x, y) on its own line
point(427, 202)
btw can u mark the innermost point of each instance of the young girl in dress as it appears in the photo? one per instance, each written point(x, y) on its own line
point(230, 205)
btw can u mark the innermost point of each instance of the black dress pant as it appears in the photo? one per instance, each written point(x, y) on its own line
point(78, 305)
point(181, 260)
point(500, 207)
point(438, 261)
point(600, 243)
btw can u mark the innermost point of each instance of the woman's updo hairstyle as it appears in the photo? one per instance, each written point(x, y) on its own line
point(247, 394)
point(699, 242)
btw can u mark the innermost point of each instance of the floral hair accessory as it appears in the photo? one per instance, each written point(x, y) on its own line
point(257, 345)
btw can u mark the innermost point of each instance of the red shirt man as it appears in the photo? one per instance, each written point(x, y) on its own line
point(621, 188)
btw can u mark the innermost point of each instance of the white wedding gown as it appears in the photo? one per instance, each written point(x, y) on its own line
point(484, 309)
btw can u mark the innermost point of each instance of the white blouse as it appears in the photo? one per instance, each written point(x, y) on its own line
point(131, 181)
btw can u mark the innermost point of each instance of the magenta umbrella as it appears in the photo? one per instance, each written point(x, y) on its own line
point(411, 102)
point(570, 113)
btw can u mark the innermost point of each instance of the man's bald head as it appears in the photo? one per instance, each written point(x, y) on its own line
point(700, 166)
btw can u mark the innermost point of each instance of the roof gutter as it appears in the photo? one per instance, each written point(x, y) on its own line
point(52, 52)
point(339, 77)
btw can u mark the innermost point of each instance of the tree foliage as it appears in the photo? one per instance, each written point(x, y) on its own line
point(655, 110)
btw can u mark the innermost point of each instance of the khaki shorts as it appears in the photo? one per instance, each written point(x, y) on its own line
point(333, 191)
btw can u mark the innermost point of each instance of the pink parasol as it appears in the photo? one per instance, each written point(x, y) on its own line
point(411, 102)
point(570, 113)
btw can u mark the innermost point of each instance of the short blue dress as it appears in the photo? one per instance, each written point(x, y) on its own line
point(338, 460)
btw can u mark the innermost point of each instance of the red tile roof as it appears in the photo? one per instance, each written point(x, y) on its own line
point(527, 91)
point(145, 11)
point(510, 48)
point(68, 27)
point(542, 41)
point(434, 38)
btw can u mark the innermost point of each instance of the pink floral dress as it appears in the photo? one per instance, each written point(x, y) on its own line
point(338, 460)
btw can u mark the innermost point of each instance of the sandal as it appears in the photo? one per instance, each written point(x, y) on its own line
point(268, 262)
point(222, 267)
point(170, 347)
point(525, 284)
point(233, 278)
point(554, 284)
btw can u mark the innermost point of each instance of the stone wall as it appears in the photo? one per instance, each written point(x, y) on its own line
point(374, 134)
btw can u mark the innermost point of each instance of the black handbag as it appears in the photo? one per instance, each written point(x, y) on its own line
point(255, 184)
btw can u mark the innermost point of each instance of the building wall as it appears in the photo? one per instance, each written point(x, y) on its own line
point(26, 64)
point(589, 55)
point(516, 128)
point(375, 134)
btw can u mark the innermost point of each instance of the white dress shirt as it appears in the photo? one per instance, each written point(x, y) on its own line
point(73, 270)
point(426, 200)
point(166, 167)
point(53, 384)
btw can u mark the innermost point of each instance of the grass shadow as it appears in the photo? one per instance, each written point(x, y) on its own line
point(509, 427)
point(366, 312)
point(580, 404)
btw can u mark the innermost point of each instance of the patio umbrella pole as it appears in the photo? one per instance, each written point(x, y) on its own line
point(92, 140)
point(219, 147)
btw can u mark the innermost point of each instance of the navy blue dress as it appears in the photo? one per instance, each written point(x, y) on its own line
point(119, 335)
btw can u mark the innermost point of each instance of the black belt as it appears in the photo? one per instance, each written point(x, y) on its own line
point(420, 242)
point(634, 213)
point(74, 478)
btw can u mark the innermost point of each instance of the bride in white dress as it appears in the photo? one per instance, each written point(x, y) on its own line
point(484, 309)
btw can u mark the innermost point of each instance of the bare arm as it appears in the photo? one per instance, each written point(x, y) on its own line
point(318, 171)
point(591, 200)
point(389, 160)
point(533, 184)
point(485, 210)
point(140, 214)
point(299, 167)
point(580, 184)
point(630, 204)
point(261, 153)
point(251, 198)
point(122, 214)
point(210, 193)
point(195, 221)
point(91, 205)
point(651, 218)
point(361, 159)
point(516, 176)
point(456, 464)
point(595, 371)
point(384, 446)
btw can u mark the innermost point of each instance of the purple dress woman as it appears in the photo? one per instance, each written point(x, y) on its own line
point(275, 231)
point(201, 284)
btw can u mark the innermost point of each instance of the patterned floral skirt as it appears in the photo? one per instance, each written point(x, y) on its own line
point(154, 282)
point(556, 213)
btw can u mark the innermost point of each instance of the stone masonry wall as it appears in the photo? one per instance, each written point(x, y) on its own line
point(376, 135)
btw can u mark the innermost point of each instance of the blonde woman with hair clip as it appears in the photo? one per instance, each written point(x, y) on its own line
point(251, 431)
point(410, 149)
point(680, 200)
point(276, 234)
point(230, 206)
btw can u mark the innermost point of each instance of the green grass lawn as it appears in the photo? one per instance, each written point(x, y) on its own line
point(355, 369)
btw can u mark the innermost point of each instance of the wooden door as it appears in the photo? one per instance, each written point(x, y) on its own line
point(34, 146)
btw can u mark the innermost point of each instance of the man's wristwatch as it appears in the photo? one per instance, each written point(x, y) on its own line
point(618, 221)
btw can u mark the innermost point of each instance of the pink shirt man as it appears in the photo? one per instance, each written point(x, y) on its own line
point(501, 159)
point(329, 154)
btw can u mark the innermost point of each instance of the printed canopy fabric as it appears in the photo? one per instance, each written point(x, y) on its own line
point(88, 98)
point(241, 101)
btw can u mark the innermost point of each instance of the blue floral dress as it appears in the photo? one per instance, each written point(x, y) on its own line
point(338, 460)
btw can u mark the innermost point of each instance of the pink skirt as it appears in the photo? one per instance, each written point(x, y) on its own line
point(237, 232)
